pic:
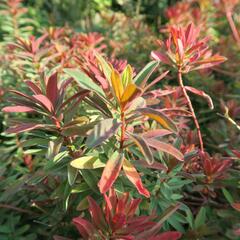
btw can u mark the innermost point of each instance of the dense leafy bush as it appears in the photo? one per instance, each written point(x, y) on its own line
point(106, 132)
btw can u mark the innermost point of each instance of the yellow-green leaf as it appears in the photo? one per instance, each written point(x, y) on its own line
point(127, 76)
point(87, 162)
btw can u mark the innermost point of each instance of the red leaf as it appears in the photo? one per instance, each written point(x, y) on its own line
point(79, 95)
point(97, 214)
point(177, 112)
point(160, 57)
point(111, 172)
point(202, 94)
point(164, 147)
point(52, 88)
point(44, 101)
point(17, 109)
point(156, 133)
point(84, 227)
point(35, 89)
point(236, 206)
point(24, 127)
point(134, 177)
point(180, 49)
point(133, 207)
point(167, 236)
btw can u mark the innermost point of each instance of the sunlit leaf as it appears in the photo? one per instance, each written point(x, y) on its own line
point(145, 73)
point(111, 172)
point(160, 117)
point(127, 76)
point(134, 177)
point(87, 162)
point(102, 131)
point(129, 93)
point(165, 147)
point(84, 81)
point(143, 146)
point(201, 94)
point(117, 85)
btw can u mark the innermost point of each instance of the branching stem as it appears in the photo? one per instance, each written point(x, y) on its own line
point(191, 109)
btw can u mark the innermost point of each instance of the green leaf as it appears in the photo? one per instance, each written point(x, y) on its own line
point(87, 162)
point(102, 131)
point(127, 76)
point(145, 73)
point(84, 81)
point(227, 195)
point(200, 218)
point(72, 175)
point(90, 178)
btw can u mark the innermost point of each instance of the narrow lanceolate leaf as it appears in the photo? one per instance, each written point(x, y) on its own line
point(155, 229)
point(72, 175)
point(201, 94)
point(44, 101)
point(130, 93)
point(107, 69)
point(87, 162)
point(160, 117)
point(117, 84)
point(102, 131)
point(165, 147)
point(85, 228)
point(143, 146)
point(177, 112)
point(171, 235)
point(127, 76)
point(78, 129)
point(84, 81)
point(156, 133)
point(97, 214)
point(111, 172)
point(33, 87)
point(23, 127)
point(145, 73)
point(18, 109)
point(134, 177)
point(52, 88)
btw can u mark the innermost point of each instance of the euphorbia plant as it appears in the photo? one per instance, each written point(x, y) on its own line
point(120, 98)
point(184, 51)
point(118, 220)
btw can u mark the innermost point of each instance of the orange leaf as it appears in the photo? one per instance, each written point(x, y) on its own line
point(131, 91)
point(134, 177)
point(117, 85)
point(160, 117)
point(111, 172)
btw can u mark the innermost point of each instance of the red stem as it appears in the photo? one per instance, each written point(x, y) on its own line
point(233, 27)
point(191, 109)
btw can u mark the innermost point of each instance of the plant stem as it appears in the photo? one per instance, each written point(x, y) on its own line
point(191, 109)
point(233, 27)
point(122, 129)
